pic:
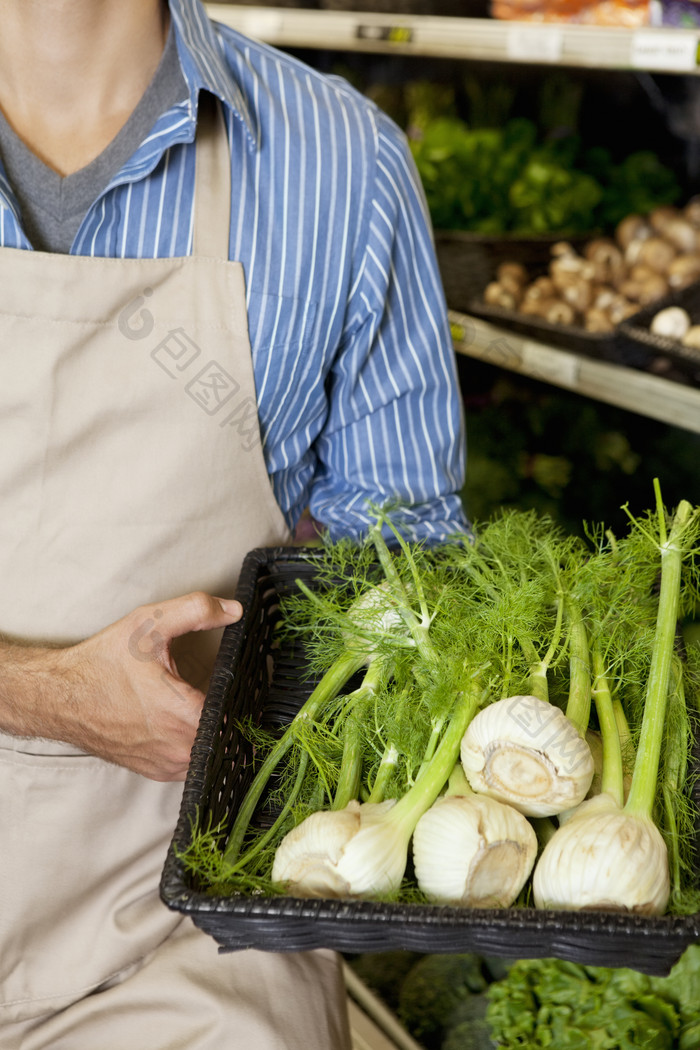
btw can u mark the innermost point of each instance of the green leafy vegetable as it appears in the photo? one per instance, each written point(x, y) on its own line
point(552, 1003)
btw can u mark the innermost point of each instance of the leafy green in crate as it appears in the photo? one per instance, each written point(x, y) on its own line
point(553, 1003)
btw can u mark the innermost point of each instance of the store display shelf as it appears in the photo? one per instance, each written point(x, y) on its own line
point(637, 391)
point(667, 50)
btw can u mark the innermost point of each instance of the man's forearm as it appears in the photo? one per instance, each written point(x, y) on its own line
point(33, 682)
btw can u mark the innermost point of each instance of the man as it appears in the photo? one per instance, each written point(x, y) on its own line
point(218, 304)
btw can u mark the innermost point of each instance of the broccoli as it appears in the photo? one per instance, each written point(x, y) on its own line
point(432, 990)
point(384, 972)
point(468, 1027)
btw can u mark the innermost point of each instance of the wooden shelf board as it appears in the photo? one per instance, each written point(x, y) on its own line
point(640, 392)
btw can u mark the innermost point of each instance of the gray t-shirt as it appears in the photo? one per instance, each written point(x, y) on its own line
point(53, 206)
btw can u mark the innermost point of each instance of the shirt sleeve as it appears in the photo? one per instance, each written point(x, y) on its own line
point(394, 433)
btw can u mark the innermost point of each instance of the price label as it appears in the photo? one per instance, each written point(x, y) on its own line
point(671, 49)
point(534, 43)
point(262, 24)
point(391, 34)
point(551, 366)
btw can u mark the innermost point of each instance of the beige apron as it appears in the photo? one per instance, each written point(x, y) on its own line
point(131, 471)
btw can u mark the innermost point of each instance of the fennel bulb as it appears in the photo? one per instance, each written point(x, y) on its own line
point(471, 850)
point(350, 852)
point(364, 852)
point(525, 752)
point(604, 858)
point(608, 854)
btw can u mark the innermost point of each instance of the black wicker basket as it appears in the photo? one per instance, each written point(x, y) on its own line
point(256, 677)
point(663, 355)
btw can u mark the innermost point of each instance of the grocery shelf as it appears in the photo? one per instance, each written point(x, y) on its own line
point(637, 391)
point(662, 50)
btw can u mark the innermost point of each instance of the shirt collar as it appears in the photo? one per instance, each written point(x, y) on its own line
point(203, 62)
point(204, 67)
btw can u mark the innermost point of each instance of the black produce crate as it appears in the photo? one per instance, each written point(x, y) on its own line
point(666, 356)
point(469, 261)
point(256, 676)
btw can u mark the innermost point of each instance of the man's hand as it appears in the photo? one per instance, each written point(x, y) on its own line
point(104, 697)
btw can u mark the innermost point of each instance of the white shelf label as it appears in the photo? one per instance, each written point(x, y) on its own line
point(262, 24)
point(551, 366)
point(675, 50)
point(534, 43)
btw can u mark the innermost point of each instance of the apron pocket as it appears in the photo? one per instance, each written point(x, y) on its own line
point(84, 844)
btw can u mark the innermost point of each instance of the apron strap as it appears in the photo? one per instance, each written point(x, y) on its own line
point(212, 192)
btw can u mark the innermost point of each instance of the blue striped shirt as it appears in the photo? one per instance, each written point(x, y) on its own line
point(357, 393)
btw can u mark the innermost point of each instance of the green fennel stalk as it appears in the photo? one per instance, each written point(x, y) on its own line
point(673, 547)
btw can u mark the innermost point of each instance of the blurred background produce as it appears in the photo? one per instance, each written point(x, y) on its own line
point(494, 172)
point(473, 1002)
point(495, 157)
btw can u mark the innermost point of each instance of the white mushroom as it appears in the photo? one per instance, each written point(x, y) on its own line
point(672, 322)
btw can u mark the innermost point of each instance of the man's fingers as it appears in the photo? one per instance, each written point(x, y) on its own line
point(198, 611)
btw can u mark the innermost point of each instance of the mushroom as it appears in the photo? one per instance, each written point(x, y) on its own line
point(681, 234)
point(656, 253)
point(692, 211)
point(645, 290)
point(512, 273)
point(660, 218)
point(541, 288)
point(510, 285)
point(496, 295)
point(620, 309)
point(597, 320)
point(684, 270)
point(631, 228)
point(640, 272)
point(672, 322)
point(534, 307)
point(578, 292)
point(606, 259)
point(567, 268)
point(604, 298)
point(560, 313)
point(651, 289)
point(561, 249)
